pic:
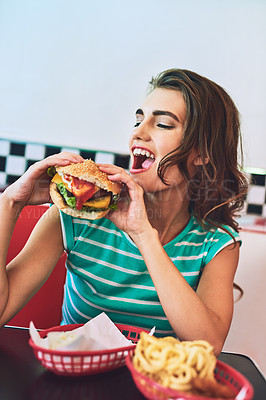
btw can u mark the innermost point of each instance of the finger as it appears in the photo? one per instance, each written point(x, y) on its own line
point(66, 156)
point(120, 175)
point(63, 158)
point(110, 169)
point(134, 190)
point(116, 173)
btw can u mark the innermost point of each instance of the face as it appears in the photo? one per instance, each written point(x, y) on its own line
point(158, 131)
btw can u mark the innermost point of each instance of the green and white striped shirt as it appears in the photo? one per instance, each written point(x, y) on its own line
point(106, 272)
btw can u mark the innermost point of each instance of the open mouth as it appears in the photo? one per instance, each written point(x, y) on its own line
point(142, 160)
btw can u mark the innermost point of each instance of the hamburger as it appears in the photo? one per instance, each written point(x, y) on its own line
point(82, 190)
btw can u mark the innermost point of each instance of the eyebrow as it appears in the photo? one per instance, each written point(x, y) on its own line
point(159, 112)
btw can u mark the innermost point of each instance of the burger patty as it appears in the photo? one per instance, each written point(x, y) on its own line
point(97, 195)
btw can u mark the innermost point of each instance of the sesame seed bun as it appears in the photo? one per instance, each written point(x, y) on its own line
point(89, 172)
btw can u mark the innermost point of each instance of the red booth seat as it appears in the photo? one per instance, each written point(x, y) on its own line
point(44, 309)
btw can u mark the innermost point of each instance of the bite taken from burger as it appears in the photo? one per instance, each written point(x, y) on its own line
point(82, 190)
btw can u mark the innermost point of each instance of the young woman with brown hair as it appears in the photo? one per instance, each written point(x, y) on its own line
point(167, 257)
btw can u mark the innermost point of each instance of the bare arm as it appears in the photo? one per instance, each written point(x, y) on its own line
point(203, 315)
point(33, 265)
point(27, 272)
point(8, 217)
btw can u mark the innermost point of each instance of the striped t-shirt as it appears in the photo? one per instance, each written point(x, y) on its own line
point(106, 271)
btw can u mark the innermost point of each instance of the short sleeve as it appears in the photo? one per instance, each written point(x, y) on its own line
point(67, 231)
point(219, 240)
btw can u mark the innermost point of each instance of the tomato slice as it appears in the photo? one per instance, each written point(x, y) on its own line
point(82, 190)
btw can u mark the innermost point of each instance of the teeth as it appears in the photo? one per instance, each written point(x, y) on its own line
point(142, 152)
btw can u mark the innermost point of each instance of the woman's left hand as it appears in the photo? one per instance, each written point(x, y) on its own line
point(131, 216)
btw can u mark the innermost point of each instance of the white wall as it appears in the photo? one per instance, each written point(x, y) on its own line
point(248, 330)
point(73, 72)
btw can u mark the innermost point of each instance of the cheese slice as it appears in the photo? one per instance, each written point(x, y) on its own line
point(57, 179)
point(101, 202)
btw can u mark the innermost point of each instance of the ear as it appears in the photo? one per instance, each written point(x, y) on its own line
point(198, 161)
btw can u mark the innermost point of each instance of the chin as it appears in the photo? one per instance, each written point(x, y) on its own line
point(148, 182)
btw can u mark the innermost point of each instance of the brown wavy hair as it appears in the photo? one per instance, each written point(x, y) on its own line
point(212, 127)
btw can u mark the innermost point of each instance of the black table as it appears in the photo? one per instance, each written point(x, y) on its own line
point(22, 377)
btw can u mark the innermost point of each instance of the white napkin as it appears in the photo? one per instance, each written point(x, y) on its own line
point(100, 333)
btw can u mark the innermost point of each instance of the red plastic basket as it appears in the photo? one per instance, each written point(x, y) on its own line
point(77, 363)
point(224, 373)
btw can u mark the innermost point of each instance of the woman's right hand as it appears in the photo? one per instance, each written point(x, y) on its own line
point(33, 186)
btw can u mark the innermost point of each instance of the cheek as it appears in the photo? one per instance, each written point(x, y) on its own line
point(130, 141)
point(167, 145)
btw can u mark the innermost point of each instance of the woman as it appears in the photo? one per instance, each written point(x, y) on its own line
point(167, 257)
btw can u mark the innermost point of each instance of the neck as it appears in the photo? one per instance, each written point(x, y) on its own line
point(167, 212)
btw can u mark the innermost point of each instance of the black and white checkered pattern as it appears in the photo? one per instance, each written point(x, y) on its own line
point(256, 197)
point(16, 157)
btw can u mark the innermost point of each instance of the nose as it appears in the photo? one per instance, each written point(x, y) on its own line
point(142, 132)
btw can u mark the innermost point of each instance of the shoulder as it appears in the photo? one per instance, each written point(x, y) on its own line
point(213, 239)
point(210, 231)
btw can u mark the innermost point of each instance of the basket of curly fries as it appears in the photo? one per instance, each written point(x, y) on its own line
point(165, 368)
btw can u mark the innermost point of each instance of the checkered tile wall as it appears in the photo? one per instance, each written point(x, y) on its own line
point(16, 157)
point(256, 198)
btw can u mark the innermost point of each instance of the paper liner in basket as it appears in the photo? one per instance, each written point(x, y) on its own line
point(100, 333)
